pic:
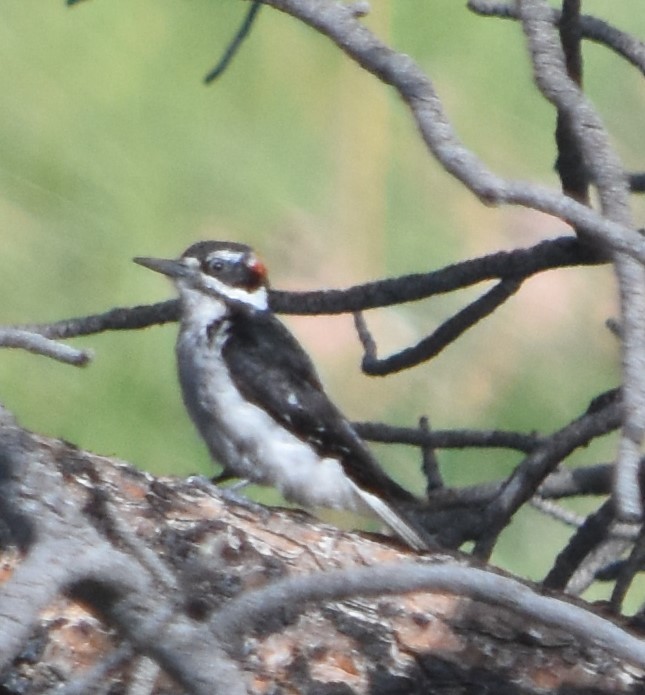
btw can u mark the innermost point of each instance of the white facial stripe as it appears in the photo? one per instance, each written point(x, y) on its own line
point(226, 255)
point(257, 299)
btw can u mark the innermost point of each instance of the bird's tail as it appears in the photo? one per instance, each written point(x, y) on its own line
point(403, 527)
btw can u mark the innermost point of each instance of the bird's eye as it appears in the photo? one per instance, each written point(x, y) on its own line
point(216, 265)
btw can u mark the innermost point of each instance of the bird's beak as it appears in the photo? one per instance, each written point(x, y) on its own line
point(173, 269)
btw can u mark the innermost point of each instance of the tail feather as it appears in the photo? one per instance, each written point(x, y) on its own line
point(394, 520)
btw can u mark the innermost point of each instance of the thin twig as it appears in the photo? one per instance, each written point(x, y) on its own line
point(527, 476)
point(556, 511)
point(234, 46)
point(588, 481)
point(444, 335)
point(606, 553)
point(429, 462)
point(591, 533)
point(40, 345)
point(627, 572)
point(448, 439)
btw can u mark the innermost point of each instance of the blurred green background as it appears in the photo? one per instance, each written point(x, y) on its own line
point(111, 147)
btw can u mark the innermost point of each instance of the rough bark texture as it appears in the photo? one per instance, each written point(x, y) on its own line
point(187, 553)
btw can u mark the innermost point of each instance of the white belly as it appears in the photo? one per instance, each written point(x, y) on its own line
point(248, 441)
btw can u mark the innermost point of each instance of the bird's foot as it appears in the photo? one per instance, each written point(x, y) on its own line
point(232, 495)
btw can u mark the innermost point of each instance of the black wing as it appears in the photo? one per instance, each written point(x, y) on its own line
point(270, 368)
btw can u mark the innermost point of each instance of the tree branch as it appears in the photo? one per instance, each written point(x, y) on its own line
point(527, 477)
point(40, 345)
point(592, 28)
point(610, 178)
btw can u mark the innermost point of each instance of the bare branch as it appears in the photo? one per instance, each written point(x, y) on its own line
point(67, 553)
point(570, 163)
point(242, 614)
point(562, 483)
point(628, 571)
point(398, 70)
point(591, 533)
point(527, 477)
point(556, 511)
point(606, 553)
point(546, 255)
point(221, 557)
point(429, 461)
point(518, 263)
point(446, 333)
point(39, 345)
point(448, 439)
point(611, 180)
point(234, 46)
point(120, 319)
point(592, 28)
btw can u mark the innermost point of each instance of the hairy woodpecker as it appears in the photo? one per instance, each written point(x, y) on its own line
point(255, 397)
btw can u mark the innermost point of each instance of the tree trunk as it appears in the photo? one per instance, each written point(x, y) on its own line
point(116, 581)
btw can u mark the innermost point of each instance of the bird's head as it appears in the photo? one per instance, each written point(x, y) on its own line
point(222, 271)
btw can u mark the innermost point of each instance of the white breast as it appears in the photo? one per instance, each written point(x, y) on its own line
point(246, 439)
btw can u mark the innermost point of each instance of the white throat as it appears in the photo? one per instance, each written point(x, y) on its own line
point(201, 310)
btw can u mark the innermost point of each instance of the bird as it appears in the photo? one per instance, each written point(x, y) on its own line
point(256, 399)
